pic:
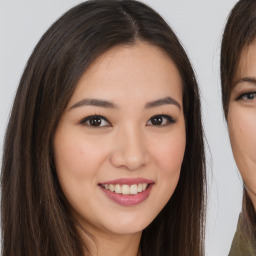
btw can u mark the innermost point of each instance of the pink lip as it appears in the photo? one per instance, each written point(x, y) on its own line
point(128, 200)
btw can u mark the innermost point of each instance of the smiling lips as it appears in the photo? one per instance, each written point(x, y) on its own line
point(127, 192)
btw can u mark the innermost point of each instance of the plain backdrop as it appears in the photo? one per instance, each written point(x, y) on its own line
point(199, 25)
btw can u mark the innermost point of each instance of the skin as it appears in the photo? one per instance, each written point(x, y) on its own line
point(126, 145)
point(242, 119)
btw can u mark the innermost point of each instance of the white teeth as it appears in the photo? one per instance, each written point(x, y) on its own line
point(111, 187)
point(125, 190)
point(140, 187)
point(118, 189)
point(133, 189)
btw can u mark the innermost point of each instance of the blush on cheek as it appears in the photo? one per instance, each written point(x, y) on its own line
point(172, 157)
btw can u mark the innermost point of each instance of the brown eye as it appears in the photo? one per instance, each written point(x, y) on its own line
point(249, 96)
point(156, 120)
point(160, 120)
point(95, 121)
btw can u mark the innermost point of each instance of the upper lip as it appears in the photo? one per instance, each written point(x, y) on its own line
point(127, 181)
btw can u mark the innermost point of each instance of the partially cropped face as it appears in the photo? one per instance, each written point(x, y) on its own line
point(242, 119)
point(120, 143)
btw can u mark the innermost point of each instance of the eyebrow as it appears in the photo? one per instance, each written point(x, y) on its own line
point(250, 80)
point(107, 104)
point(163, 101)
point(94, 102)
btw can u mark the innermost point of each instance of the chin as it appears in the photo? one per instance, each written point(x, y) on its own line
point(127, 226)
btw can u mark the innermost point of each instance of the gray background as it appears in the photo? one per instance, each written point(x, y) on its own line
point(199, 25)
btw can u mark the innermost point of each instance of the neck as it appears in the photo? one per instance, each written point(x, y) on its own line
point(108, 244)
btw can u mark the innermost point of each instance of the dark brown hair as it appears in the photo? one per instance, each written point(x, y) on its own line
point(35, 216)
point(239, 33)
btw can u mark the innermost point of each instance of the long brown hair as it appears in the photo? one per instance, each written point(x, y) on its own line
point(35, 218)
point(239, 33)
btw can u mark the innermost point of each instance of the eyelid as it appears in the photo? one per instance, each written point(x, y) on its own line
point(240, 97)
point(87, 118)
point(170, 120)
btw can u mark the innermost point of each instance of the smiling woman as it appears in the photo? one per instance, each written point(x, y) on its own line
point(104, 150)
point(142, 168)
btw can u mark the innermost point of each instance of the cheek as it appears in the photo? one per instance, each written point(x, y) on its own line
point(174, 153)
point(168, 157)
point(242, 127)
point(77, 160)
point(75, 156)
point(170, 152)
point(171, 160)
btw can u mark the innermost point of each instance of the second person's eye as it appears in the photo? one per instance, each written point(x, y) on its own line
point(248, 96)
point(95, 121)
point(160, 120)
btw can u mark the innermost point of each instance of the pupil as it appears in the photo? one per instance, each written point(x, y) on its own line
point(251, 96)
point(95, 121)
point(157, 120)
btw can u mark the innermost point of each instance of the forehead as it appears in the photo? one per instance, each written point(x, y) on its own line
point(247, 61)
point(148, 56)
point(137, 71)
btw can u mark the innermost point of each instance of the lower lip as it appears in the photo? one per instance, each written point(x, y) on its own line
point(128, 200)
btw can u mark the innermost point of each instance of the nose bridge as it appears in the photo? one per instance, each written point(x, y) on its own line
point(130, 151)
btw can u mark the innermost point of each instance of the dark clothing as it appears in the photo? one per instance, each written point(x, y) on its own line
point(242, 245)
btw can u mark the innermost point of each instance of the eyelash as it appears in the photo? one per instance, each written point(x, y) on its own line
point(166, 119)
point(86, 120)
point(247, 95)
point(169, 119)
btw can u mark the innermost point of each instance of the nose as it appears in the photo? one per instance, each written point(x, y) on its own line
point(130, 151)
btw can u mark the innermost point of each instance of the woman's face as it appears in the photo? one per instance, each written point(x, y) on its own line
point(242, 119)
point(120, 143)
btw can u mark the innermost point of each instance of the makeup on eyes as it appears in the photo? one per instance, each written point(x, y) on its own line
point(99, 121)
point(161, 120)
point(95, 121)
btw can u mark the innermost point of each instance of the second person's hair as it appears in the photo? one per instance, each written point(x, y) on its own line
point(240, 31)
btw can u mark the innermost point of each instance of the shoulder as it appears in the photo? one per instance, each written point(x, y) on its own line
point(242, 245)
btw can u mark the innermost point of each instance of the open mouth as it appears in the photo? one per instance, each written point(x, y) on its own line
point(126, 189)
point(127, 192)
